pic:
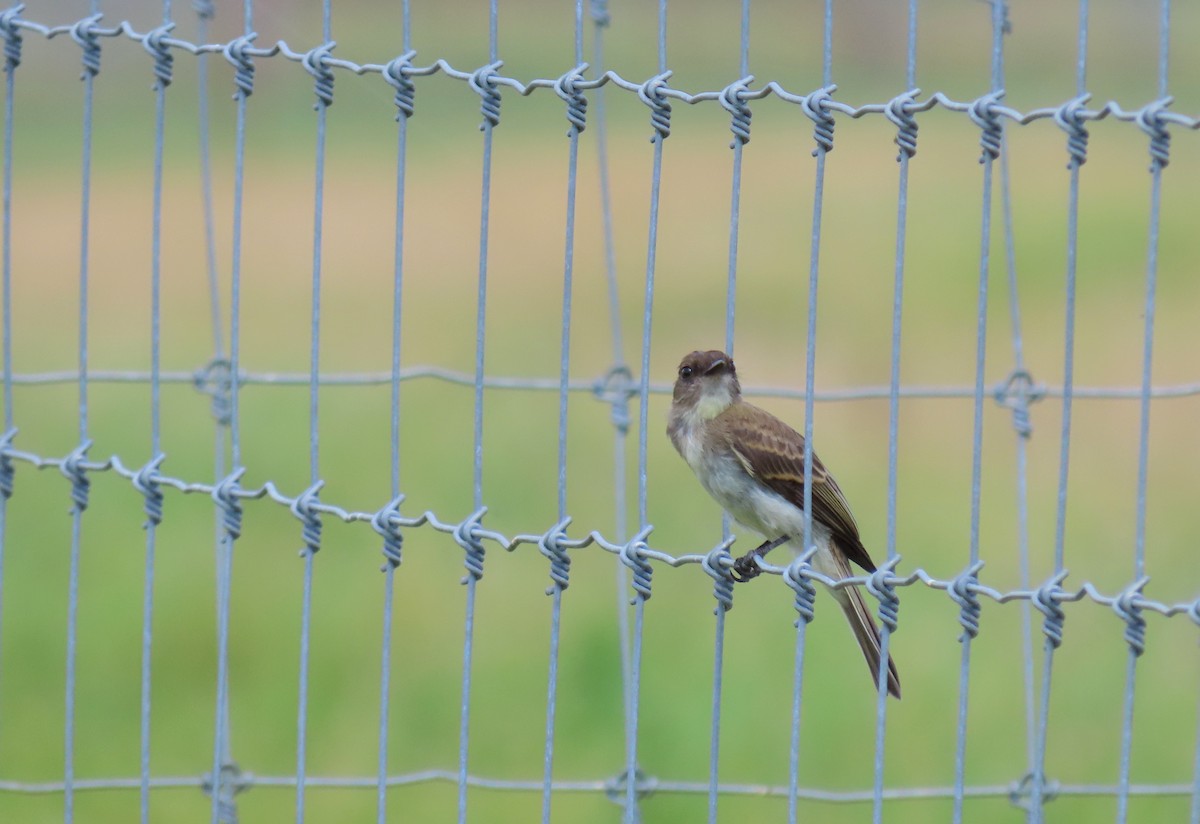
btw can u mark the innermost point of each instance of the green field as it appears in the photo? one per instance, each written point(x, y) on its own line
point(520, 433)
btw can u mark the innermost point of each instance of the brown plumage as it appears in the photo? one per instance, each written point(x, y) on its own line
point(762, 484)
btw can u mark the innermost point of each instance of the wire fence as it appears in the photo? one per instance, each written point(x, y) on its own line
point(626, 388)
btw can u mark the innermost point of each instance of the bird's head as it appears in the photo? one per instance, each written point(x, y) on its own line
point(706, 384)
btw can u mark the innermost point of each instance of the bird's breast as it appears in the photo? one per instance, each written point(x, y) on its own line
point(746, 499)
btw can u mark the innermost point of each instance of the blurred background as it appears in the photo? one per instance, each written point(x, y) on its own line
point(520, 446)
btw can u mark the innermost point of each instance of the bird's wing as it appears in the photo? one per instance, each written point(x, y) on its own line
point(773, 452)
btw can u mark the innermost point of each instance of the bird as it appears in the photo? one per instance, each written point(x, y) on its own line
point(752, 464)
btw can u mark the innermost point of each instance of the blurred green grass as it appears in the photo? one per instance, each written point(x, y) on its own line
point(520, 440)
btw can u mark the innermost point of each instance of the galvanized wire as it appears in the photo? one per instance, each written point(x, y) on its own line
point(223, 377)
point(654, 87)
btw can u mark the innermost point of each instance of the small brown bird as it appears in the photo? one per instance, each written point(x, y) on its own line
point(752, 463)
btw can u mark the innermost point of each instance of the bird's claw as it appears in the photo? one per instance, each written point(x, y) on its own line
point(746, 568)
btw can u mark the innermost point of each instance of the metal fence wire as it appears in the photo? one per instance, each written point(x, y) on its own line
point(112, 726)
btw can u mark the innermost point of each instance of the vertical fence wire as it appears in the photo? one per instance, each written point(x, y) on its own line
point(1135, 624)
point(148, 485)
point(721, 573)
point(906, 141)
point(823, 132)
point(204, 14)
point(615, 386)
point(1075, 162)
point(12, 60)
point(740, 126)
point(552, 547)
point(969, 620)
point(392, 539)
point(12, 48)
point(886, 626)
point(490, 107)
point(72, 467)
point(600, 23)
point(660, 118)
point(315, 64)
point(1052, 626)
point(1022, 427)
point(223, 779)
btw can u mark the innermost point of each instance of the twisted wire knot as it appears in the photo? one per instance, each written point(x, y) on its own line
point(1005, 21)
point(962, 592)
point(315, 63)
point(1069, 117)
point(225, 493)
point(12, 36)
point(900, 111)
point(465, 536)
point(145, 481)
point(1021, 793)
point(616, 788)
point(227, 810)
point(552, 547)
point(384, 523)
point(733, 100)
point(73, 468)
point(305, 509)
point(1016, 393)
point(797, 577)
point(7, 472)
point(1194, 611)
point(615, 387)
point(163, 59)
point(215, 379)
point(816, 107)
point(85, 35)
point(1130, 612)
point(632, 555)
point(651, 93)
point(719, 565)
point(483, 81)
point(396, 73)
point(1047, 598)
point(1151, 122)
point(983, 114)
point(229, 782)
point(568, 89)
point(236, 53)
point(879, 584)
point(599, 12)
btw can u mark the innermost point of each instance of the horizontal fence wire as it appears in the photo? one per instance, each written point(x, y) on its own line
point(228, 493)
point(1151, 117)
point(1013, 792)
point(222, 377)
point(1015, 389)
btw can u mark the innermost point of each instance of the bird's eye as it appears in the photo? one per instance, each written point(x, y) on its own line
point(685, 372)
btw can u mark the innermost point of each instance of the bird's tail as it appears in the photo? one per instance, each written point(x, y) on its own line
point(867, 633)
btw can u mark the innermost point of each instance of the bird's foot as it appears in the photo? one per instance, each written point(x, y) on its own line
point(746, 568)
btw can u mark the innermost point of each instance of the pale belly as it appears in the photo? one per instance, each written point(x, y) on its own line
point(757, 507)
point(765, 511)
point(752, 504)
